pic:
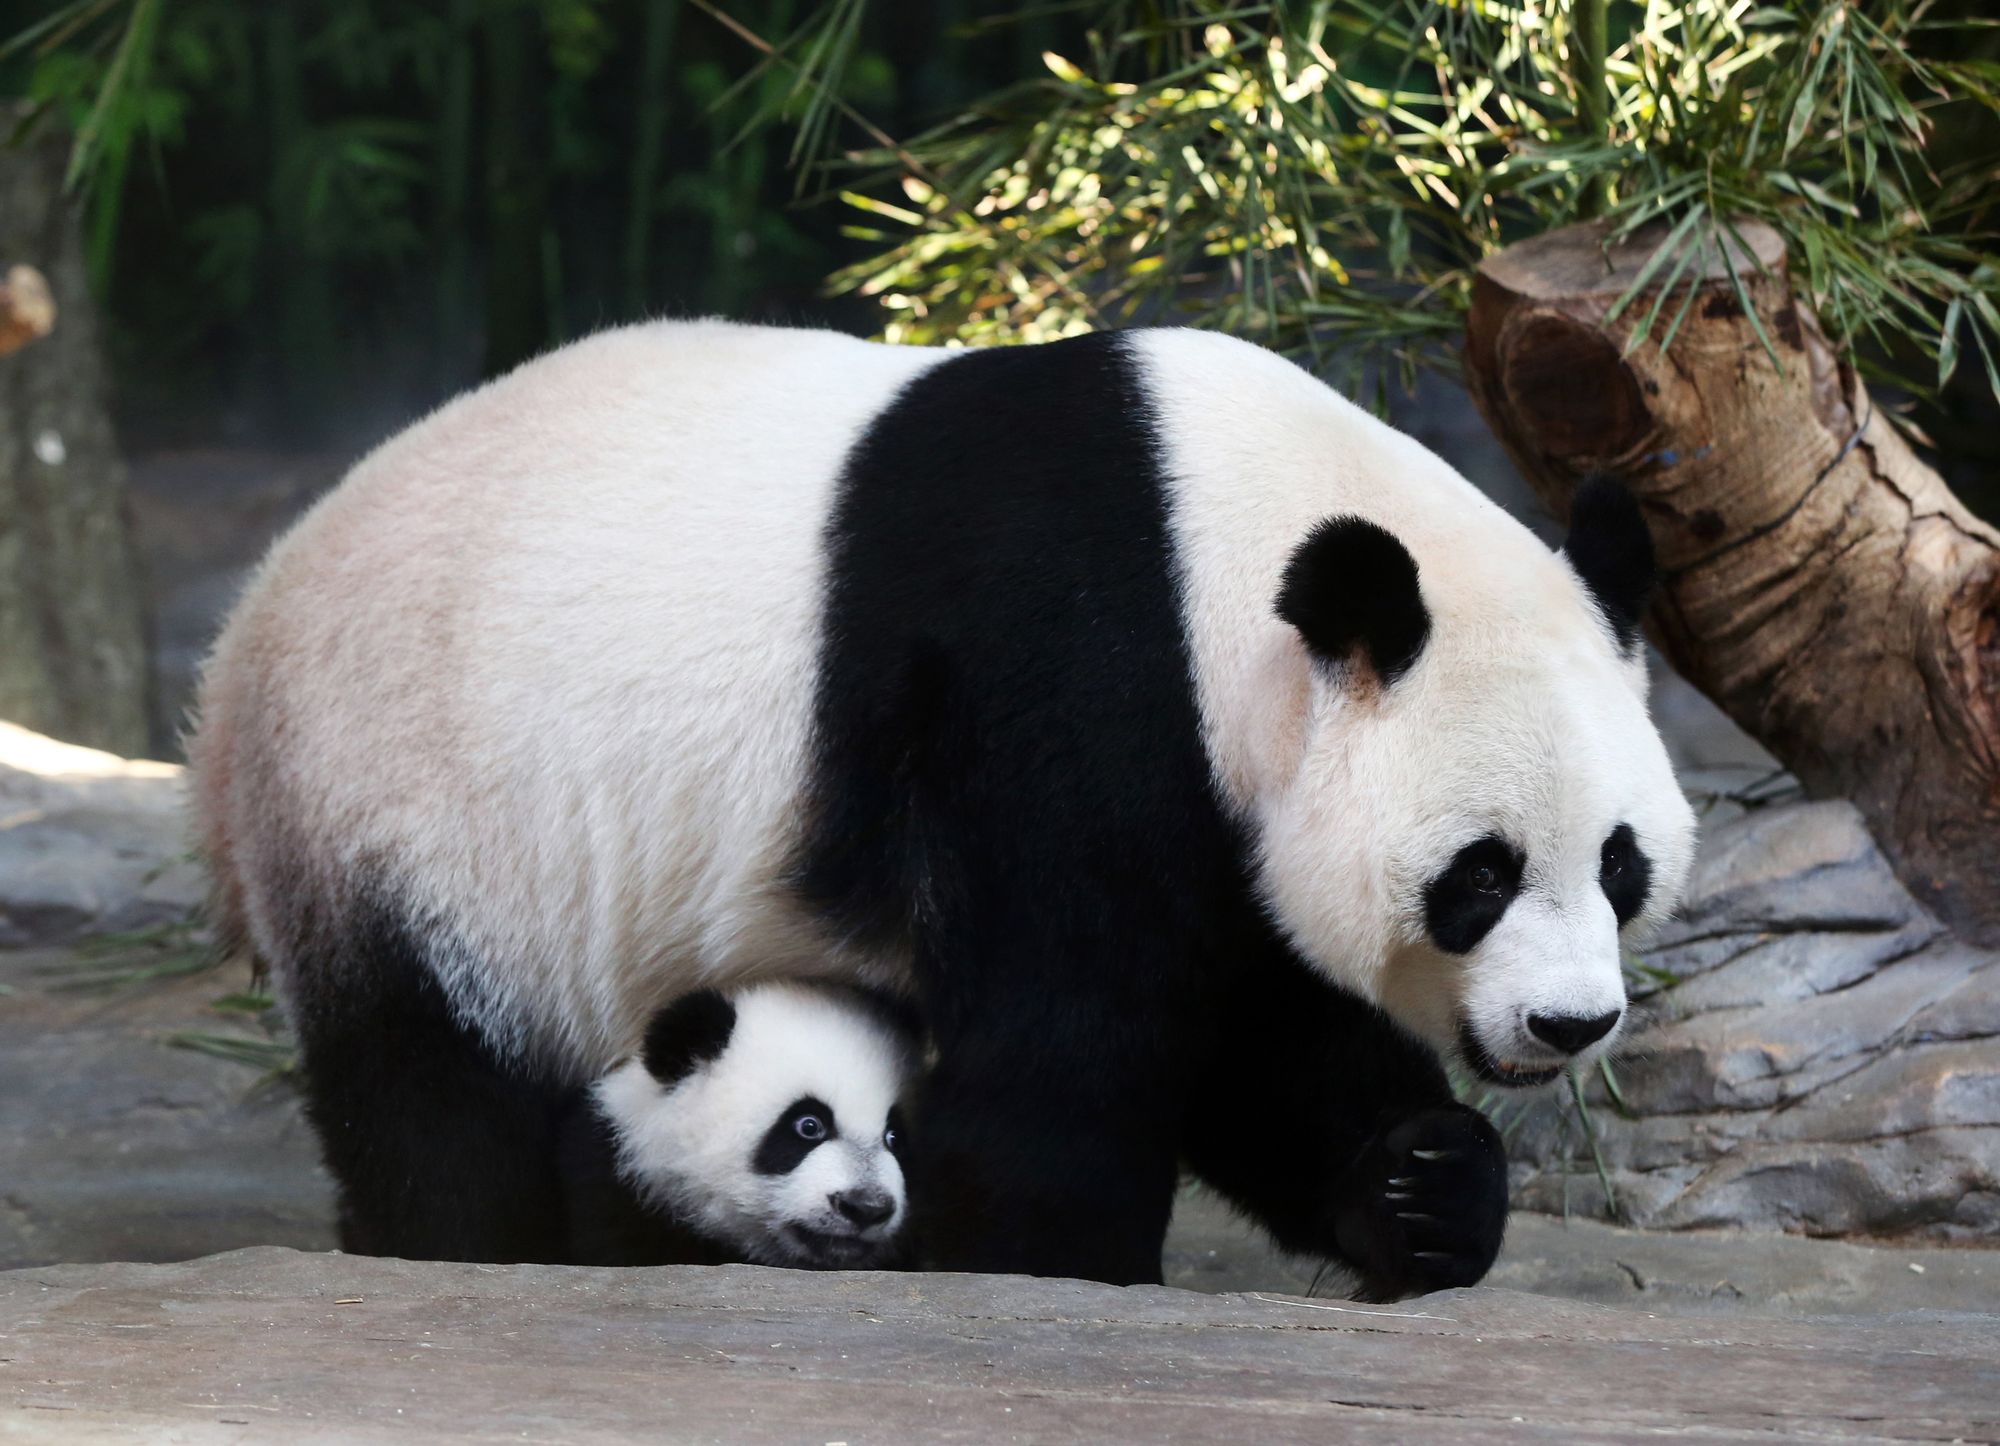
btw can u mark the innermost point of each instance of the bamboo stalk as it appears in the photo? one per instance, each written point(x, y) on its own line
point(1588, 48)
point(648, 149)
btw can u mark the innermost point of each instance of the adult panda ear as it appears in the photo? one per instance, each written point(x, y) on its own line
point(687, 1034)
point(1351, 585)
point(1611, 550)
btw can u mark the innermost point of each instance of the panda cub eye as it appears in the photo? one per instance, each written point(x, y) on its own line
point(806, 1124)
point(892, 1133)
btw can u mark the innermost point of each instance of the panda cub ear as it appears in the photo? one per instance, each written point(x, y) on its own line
point(687, 1034)
point(1611, 550)
point(1351, 584)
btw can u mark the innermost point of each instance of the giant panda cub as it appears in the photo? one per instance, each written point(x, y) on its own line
point(761, 1126)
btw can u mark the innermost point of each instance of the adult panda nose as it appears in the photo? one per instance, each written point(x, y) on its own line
point(870, 1205)
point(1572, 1033)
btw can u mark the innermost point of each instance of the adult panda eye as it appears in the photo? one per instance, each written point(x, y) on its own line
point(1625, 873)
point(809, 1127)
point(1472, 892)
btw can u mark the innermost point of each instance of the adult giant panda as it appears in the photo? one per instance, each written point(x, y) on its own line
point(1205, 757)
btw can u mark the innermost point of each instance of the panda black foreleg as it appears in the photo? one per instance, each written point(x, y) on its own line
point(1338, 1132)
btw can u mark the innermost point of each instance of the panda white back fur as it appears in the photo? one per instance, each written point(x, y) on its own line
point(763, 1126)
point(579, 691)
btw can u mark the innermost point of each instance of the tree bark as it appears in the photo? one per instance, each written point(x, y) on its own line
point(72, 653)
point(1818, 580)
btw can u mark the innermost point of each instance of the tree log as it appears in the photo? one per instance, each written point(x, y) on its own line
point(27, 310)
point(1818, 580)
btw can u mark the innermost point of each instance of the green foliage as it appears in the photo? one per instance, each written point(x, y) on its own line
point(276, 1059)
point(1325, 176)
point(170, 950)
point(329, 211)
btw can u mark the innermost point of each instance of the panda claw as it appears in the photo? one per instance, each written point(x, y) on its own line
point(1397, 1197)
point(1434, 1256)
point(1433, 1154)
point(1402, 1182)
point(1418, 1216)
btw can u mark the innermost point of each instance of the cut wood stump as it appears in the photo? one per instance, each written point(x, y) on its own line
point(27, 308)
point(1819, 581)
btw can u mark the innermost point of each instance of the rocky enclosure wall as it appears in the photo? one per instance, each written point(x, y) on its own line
point(1826, 1061)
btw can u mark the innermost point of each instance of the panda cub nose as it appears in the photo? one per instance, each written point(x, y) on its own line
point(865, 1207)
point(1572, 1033)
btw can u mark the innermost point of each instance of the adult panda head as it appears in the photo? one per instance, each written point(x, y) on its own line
point(1478, 814)
point(768, 1121)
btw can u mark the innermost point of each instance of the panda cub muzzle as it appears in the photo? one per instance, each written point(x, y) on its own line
point(835, 1200)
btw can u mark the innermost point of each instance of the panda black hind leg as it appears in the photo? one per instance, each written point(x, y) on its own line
point(1006, 747)
point(1338, 1132)
point(1045, 1141)
point(438, 1151)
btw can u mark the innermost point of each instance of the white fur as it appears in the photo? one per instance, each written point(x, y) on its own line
point(1520, 718)
point(549, 655)
point(689, 1147)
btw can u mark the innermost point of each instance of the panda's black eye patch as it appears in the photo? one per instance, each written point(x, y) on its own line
point(805, 1125)
point(1467, 898)
point(1625, 873)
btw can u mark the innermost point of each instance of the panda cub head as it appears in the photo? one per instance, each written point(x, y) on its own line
point(768, 1120)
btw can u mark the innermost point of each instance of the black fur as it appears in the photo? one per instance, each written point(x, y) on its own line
point(1304, 1106)
point(1351, 584)
point(1611, 549)
point(1471, 894)
point(606, 1221)
point(783, 1147)
point(1625, 873)
point(1431, 1207)
point(687, 1034)
point(1011, 782)
point(441, 1151)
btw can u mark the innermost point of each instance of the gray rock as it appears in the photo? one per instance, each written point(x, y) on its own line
point(1829, 1062)
point(120, 1146)
point(89, 842)
point(1971, 1010)
point(1807, 865)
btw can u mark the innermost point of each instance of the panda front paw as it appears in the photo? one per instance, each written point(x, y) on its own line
point(1425, 1205)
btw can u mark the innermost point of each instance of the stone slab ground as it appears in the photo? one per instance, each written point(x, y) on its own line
point(270, 1344)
